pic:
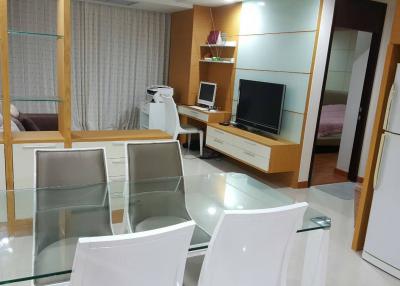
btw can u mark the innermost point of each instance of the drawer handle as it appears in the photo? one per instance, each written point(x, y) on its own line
point(118, 143)
point(39, 146)
point(121, 161)
point(249, 154)
point(218, 141)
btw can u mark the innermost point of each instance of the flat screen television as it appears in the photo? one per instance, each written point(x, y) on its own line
point(260, 105)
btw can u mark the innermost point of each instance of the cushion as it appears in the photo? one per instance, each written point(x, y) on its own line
point(14, 111)
point(18, 124)
point(28, 124)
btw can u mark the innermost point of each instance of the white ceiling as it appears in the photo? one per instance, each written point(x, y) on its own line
point(169, 6)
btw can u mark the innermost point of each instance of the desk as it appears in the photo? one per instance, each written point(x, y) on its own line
point(204, 116)
point(104, 209)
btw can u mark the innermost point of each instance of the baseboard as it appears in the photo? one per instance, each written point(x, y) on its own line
point(345, 174)
point(302, 185)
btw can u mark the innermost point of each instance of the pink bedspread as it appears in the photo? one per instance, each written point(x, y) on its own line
point(332, 119)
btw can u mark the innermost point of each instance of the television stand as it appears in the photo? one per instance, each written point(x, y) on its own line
point(263, 153)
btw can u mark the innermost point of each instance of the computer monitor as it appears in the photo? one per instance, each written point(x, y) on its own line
point(207, 91)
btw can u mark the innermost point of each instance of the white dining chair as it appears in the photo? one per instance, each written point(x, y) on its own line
point(174, 127)
point(248, 247)
point(155, 257)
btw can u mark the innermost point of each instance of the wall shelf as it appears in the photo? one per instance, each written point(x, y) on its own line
point(225, 45)
point(216, 62)
point(118, 135)
point(39, 99)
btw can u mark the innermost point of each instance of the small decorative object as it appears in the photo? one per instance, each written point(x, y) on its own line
point(214, 38)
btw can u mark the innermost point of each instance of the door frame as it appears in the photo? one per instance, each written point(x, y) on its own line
point(367, 16)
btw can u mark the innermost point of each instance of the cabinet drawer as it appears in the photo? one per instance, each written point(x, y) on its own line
point(116, 167)
point(114, 149)
point(213, 132)
point(220, 145)
point(23, 159)
point(252, 159)
point(2, 170)
point(243, 155)
point(252, 147)
point(193, 113)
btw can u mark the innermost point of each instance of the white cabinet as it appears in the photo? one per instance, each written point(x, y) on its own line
point(152, 116)
point(115, 156)
point(23, 164)
point(3, 199)
point(242, 149)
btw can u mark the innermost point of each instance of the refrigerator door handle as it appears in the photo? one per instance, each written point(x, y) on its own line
point(389, 105)
point(379, 161)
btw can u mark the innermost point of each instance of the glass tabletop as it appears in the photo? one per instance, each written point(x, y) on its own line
point(40, 244)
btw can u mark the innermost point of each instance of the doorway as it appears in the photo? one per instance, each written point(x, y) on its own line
point(349, 76)
point(340, 105)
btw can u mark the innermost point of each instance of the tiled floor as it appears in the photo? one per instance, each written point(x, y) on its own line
point(345, 267)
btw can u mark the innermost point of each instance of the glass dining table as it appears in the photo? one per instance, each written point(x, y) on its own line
point(37, 245)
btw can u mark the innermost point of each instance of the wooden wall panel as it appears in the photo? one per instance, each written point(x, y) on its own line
point(180, 54)
point(396, 26)
point(201, 28)
point(392, 59)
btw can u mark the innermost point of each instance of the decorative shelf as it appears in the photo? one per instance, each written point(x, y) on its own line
point(34, 34)
point(36, 137)
point(217, 62)
point(225, 45)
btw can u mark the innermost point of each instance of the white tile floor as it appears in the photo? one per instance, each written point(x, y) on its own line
point(345, 267)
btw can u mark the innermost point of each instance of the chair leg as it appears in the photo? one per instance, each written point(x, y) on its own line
point(189, 140)
point(201, 135)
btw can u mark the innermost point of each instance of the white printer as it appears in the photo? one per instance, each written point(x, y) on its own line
point(156, 92)
point(152, 115)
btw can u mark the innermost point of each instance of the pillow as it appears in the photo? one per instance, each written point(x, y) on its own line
point(18, 124)
point(14, 111)
point(29, 124)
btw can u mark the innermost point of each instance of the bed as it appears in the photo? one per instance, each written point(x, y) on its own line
point(332, 119)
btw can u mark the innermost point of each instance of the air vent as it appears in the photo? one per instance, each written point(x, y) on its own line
point(119, 2)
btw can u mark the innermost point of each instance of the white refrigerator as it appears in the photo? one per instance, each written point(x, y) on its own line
point(382, 245)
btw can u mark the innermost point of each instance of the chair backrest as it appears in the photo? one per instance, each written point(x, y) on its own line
point(155, 257)
point(150, 160)
point(70, 167)
point(251, 247)
point(172, 123)
point(72, 198)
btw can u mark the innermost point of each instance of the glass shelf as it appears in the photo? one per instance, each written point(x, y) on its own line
point(39, 99)
point(30, 99)
point(34, 34)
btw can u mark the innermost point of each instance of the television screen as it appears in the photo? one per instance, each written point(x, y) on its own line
point(260, 105)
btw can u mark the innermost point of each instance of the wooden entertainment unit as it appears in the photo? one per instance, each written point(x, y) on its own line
point(265, 154)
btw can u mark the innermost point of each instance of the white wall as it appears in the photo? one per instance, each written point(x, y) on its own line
point(316, 88)
point(359, 68)
point(341, 60)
